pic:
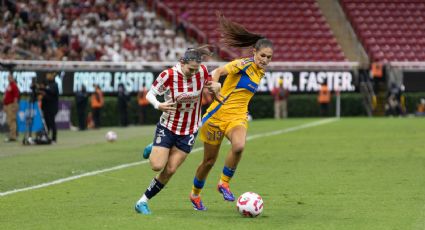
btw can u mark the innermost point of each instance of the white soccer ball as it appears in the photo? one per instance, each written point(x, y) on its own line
point(111, 136)
point(250, 204)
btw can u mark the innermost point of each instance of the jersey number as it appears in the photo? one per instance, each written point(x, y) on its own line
point(191, 140)
point(214, 135)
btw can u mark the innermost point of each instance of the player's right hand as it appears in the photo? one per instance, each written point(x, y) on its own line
point(167, 106)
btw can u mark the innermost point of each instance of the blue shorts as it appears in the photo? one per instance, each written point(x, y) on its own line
point(166, 138)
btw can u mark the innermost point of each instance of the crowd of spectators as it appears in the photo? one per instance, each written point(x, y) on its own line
point(90, 30)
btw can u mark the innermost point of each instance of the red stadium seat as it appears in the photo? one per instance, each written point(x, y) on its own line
point(297, 28)
point(389, 29)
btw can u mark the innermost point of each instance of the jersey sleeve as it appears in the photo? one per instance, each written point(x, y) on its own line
point(160, 84)
point(235, 66)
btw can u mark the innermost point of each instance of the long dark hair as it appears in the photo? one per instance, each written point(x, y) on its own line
point(196, 54)
point(236, 35)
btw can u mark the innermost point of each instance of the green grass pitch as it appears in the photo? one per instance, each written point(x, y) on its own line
point(352, 173)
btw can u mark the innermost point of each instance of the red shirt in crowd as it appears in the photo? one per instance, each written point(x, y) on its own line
point(12, 93)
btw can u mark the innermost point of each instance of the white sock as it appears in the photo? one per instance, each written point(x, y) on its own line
point(143, 199)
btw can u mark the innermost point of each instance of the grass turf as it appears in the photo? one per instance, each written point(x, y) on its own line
point(348, 174)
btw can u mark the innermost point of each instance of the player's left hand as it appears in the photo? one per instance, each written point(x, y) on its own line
point(213, 87)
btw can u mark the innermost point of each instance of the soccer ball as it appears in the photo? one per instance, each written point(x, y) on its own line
point(250, 204)
point(111, 136)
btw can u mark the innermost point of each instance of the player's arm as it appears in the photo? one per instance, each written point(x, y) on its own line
point(167, 106)
point(217, 73)
point(214, 86)
point(159, 88)
point(230, 68)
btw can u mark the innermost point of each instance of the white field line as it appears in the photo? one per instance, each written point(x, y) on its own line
point(93, 173)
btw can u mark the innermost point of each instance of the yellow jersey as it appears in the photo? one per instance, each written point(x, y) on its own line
point(238, 88)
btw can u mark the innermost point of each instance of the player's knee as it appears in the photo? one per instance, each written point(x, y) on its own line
point(156, 166)
point(238, 148)
point(209, 163)
point(171, 170)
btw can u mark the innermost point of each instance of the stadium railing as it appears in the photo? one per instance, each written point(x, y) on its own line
point(408, 65)
point(84, 65)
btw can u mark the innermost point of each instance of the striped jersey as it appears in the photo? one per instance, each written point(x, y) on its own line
point(187, 93)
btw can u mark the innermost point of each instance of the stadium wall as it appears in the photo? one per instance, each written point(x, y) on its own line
point(302, 79)
point(70, 81)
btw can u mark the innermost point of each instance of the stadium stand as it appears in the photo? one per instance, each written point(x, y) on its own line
point(94, 30)
point(298, 28)
point(390, 30)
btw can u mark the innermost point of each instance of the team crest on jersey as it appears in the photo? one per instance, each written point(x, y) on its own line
point(246, 61)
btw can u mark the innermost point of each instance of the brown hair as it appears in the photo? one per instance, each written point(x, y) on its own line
point(236, 35)
point(196, 54)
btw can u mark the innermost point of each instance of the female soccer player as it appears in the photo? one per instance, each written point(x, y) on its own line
point(227, 115)
point(176, 131)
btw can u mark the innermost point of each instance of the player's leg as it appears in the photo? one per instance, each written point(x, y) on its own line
point(210, 157)
point(159, 134)
point(161, 151)
point(237, 137)
point(158, 162)
point(164, 141)
point(159, 158)
point(211, 135)
point(176, 158)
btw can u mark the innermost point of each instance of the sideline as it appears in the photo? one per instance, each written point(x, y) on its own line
point(93, 173)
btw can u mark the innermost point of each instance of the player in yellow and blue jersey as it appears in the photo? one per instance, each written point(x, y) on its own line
point(227, 115)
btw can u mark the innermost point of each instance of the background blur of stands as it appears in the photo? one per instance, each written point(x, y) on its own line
point(96, 42)
point(302, 78)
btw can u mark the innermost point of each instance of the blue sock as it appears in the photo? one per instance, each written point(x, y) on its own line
point(197, 186)
point(227, 174)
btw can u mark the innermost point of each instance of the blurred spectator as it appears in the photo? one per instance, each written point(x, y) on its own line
point(123, 99)
point(50, 104)
point(90, 122)
point(81, 101)
point(420, 110)
point(376, 70)
point(143, 103)
point(324, 98)
point(393, 105)
point(11, 106)
point(96, 105)
point(280, 95)
point(376, 74)
point(80, 30)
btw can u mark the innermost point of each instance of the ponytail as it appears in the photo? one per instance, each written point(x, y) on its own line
point(236, 35)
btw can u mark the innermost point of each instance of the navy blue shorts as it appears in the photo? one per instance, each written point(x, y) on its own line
point(166, 138)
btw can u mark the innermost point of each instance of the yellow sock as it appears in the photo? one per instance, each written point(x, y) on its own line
point(196, 191)
point(224, 178)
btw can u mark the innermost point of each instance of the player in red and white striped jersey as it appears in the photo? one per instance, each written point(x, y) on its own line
point(186, 93)
point(176, 131)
